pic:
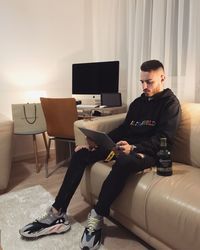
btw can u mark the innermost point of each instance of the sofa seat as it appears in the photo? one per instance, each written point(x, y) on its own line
point(163, 211)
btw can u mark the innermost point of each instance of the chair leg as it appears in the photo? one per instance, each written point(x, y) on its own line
point(47, 158)
point(61, 163)
point(45, 140)
point(36, 153)
point(70, 150)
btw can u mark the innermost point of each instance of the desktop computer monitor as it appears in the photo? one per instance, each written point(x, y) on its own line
point(90, 80)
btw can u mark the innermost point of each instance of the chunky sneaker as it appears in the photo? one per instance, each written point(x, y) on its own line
point(48, 224)
point(91, 238)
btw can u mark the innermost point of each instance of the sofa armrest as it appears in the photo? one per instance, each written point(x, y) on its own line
point(105, 124)
point(6, 136)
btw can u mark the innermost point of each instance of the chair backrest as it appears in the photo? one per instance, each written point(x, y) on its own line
point(60, 115)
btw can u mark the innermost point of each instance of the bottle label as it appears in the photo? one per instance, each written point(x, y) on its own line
point(164, 169)
point(165, 163)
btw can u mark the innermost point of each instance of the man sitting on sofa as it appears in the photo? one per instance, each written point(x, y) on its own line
point(155, 114)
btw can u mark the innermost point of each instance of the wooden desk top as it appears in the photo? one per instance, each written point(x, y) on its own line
point(101, 111)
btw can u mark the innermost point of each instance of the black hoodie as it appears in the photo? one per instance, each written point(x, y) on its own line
point(148, 119)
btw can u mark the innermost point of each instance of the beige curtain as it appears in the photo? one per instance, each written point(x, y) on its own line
point(133, 31)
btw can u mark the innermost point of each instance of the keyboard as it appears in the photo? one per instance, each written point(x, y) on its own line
point(86, 106)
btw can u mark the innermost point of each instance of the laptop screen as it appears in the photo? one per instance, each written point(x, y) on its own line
point(111, 99)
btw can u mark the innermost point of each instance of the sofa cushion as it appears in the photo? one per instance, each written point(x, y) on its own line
point(187, 140)
point(166, 208)
point(173, 208)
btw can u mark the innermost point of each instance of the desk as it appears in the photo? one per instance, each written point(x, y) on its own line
point(84, 113)
point(62, 147)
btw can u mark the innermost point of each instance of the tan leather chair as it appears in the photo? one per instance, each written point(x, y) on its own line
point(60, 115)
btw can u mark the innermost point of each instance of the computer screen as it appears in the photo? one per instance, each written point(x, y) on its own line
point(111, 99)
point(95, 77)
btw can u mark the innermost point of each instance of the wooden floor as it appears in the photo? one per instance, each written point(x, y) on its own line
point(23, 175)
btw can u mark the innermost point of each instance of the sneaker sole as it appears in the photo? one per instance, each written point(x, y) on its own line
point(56, 229)
point(90, 248)
point(87, 248)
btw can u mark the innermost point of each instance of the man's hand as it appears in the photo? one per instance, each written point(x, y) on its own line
point(124, 146)
point(79, 147)
point(91, 145)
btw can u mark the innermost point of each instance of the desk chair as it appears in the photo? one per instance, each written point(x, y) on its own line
point(60, 115)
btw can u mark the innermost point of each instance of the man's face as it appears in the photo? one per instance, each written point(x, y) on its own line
point(152, 82)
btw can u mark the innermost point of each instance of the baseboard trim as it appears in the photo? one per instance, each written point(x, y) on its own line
point(30, 156)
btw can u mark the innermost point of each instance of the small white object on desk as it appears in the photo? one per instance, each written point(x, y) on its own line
point(101, 106)
point(90, 106)
point(86, 106)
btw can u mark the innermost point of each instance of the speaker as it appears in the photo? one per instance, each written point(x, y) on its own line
point(111, 99)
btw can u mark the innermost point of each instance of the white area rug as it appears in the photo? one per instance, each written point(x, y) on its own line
point(22, 207)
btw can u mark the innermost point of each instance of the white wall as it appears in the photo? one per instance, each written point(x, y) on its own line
point(40, 39)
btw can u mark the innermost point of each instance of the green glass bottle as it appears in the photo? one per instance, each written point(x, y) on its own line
point(164, 161)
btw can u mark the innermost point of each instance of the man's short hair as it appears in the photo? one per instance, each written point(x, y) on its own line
point(151, 65)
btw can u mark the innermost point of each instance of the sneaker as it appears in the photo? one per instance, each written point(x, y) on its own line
point(91, 238)
point(48, 224)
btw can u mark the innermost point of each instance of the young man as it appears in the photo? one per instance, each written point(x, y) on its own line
point(155, 114)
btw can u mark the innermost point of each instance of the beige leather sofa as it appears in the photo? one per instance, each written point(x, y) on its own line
point(163, 211)
point(6, 133)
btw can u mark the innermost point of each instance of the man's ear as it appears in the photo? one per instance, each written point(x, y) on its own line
point(162, 78)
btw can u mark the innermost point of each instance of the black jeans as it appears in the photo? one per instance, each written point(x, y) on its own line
point(124, 166)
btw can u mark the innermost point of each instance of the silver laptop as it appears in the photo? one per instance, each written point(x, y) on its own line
point(100, 138)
